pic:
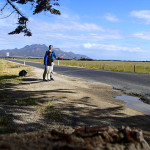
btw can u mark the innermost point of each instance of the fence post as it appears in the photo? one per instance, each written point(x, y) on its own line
point(24, 63)
point(117, 68)
point(58, 62)
point(134, 68)
point(123, 68)
point(104, 67)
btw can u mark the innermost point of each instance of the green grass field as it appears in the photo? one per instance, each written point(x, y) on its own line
point(124, 66)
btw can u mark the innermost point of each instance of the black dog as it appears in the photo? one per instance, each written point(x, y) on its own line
point(22, 73)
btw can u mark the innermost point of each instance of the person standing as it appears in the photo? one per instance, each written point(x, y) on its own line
point(48, 65)
point(53, 57)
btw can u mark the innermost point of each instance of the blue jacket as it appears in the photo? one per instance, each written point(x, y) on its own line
point(46, 54)
point(46, 59)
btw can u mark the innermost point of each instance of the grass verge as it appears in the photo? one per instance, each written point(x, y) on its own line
point(9, 72)
point(123, 66)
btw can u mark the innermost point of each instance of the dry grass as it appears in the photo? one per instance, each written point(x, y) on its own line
point(124, 66)
point(49, 111)
point(11, 68)
point(9, 72)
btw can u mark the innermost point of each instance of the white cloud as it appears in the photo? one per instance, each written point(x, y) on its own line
point(64, 15)
point(111, 17)
point(112, 47)
point(65, 26)
point(69, 16)
point(86, 26)
point(73, 30)
point(4, 22)
point(58, 32)
point(82, 37)
point(142, 35)
point(8, 18)
point(45, 32)
point(141, 14)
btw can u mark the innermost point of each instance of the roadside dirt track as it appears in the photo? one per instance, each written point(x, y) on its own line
point(75, 103)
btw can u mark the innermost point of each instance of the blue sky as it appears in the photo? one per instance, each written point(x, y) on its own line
point(100, 29)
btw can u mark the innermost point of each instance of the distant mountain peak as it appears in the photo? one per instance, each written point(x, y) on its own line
point(38, 50)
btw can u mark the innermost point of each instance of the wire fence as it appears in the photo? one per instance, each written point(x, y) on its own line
point(140, 67)
point(123, 66)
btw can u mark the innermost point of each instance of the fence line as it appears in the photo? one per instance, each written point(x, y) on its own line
point(143, 68)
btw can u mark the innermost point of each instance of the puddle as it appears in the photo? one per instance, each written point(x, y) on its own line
point(116, 90)
point(135, 102)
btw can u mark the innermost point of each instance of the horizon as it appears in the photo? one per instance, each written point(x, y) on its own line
point(109, 31)
point(79, 54)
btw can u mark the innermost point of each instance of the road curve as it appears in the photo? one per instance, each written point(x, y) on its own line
point(135, 83)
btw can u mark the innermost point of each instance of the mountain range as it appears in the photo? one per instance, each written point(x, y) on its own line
point(38, 50)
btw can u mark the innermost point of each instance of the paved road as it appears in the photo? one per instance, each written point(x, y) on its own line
point(129, 82)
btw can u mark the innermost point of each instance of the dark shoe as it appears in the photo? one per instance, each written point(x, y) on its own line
point(44, 80)
point(52, 79)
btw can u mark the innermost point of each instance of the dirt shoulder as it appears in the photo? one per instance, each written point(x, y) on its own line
point(72, 103)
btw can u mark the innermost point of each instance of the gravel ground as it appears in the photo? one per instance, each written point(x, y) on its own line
point(130, 83)
point(73, 103)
